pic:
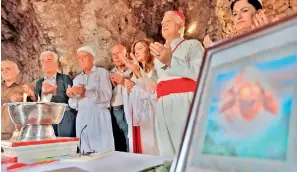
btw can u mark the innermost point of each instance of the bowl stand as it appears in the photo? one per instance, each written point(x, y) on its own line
point(36, 132)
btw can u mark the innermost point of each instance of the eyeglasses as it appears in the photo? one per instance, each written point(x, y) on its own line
point(82, 58)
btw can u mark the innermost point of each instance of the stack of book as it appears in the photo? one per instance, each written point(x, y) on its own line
point(32, 151)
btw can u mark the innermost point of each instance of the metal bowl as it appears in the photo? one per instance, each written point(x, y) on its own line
point(36, 132)
point(33, 113)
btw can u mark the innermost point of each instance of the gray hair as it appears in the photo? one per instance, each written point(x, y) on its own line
point(13, 63)
point(49, 53)
point(178, 20)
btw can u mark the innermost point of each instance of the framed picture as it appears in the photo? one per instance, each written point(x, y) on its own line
point(244, 112)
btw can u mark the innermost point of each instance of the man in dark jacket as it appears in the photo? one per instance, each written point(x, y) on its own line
point(52, 88)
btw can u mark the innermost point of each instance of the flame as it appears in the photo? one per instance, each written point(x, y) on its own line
point(25, 95)
point(192, 28)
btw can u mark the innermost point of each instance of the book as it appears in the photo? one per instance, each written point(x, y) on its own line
point(37, 142)
point(29, 149)
point(6, 159)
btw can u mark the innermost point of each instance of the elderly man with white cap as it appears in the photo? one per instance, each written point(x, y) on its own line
point(177, 64)
point(90, 95)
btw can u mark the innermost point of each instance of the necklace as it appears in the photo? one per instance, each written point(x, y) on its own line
point(165, 66)
point(177, 45)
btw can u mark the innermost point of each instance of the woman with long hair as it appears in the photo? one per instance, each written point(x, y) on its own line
point(142, 99)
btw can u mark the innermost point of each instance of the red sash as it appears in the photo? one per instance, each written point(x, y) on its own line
point(181, 85)
point(137, 146)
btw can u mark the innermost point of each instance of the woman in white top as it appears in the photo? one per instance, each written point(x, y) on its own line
point(142, 100)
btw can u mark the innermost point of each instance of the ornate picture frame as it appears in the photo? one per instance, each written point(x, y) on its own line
point(244, 112)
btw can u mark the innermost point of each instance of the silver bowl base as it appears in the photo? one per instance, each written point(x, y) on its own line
point(36, 132)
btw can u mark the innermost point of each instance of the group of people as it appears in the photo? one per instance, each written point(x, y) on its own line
point(142, 104)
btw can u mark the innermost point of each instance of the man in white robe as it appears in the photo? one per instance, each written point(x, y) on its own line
point(177, 65)
point(90, 95)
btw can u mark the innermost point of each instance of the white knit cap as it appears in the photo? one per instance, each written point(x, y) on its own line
point(88, 49)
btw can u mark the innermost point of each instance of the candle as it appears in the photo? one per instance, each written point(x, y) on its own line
point(25, 97)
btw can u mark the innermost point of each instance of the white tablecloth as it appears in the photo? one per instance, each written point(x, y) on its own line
point(114, 162)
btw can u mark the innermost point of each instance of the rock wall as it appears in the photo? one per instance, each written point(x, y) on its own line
point(21, 39)
point(32, 26)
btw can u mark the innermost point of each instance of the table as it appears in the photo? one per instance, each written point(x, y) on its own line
point(112, 162)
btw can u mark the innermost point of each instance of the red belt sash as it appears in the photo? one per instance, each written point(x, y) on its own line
point(181, 85)
point(136, 139)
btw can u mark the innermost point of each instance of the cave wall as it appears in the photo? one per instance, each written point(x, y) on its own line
point(21, 39)
point(32, 26)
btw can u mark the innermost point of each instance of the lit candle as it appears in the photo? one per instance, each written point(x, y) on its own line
point(25, 97)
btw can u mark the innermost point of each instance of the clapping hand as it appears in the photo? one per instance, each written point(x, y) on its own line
point(132, 65)
point(116, 79)
point(161, 52)
point(27, 89)
point(69, 92)
point(129, 85)
point(260, 19)
point(16, 98)
point(207, 41)
point(79, 90)
point(49, 89)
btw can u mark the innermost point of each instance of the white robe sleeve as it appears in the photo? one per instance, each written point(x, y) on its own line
point(143, 104)
point(73, 103)
point(138, 103)
point(190, 67)
point(128, 115)
point(146, 81)
point(103, 90)
point(127, 108)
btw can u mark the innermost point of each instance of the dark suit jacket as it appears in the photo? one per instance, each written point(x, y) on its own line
point(61, 96)
point(66, 128)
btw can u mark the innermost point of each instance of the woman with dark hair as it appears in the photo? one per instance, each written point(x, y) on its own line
point(141, 99)
point(246, 15)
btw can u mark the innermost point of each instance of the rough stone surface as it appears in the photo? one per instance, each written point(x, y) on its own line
point(21, 39)
point(32, 26)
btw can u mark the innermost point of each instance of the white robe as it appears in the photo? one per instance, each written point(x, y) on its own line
point(93, 111)
point(172, 110)
point(142, 101)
